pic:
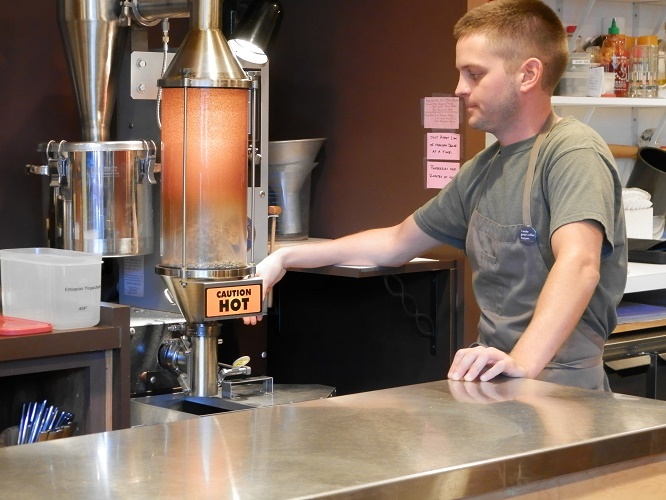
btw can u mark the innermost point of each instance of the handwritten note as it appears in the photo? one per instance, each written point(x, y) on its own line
point(440, 173)
point(443, 146)
point(441, 112)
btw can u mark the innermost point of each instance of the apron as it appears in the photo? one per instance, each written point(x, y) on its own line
point(508, 275)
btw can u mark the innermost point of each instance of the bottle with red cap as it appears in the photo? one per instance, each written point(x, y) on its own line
point(614, 57)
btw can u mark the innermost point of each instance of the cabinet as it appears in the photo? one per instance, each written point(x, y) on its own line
point(83, 371)
point(359, 328)
point(635, 353)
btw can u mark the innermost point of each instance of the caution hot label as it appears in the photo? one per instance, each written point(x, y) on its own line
point(233, 300)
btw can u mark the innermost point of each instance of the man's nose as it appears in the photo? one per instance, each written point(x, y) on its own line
point(462, 88)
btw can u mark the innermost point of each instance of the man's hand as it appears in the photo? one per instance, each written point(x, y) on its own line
point(271, 271)
point(485, 363)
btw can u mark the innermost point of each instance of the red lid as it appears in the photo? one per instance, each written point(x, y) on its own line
point(18, 326)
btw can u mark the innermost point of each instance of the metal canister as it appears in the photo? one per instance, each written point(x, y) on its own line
point(102, 196)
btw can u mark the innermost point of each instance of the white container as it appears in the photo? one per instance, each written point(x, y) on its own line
point(61, 287)
point(639, 223)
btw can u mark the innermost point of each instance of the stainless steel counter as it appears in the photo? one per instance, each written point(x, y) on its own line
point(435, 440)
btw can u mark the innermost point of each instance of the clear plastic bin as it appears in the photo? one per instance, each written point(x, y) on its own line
point(61, 287)
point(575, 79)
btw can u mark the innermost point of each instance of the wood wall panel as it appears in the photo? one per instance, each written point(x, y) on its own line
point(37, 104)
point(355, 72)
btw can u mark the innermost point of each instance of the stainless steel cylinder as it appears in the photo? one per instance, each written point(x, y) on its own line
point(105, 197)
point(203, 376)
point(150, 12)
point(649, 174)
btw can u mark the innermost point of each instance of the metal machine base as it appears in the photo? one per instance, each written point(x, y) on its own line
point(165, 408)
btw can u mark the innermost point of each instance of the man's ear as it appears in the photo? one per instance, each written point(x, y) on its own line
point(531, 74)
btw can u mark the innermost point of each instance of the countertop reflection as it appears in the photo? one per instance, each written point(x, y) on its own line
point(439, 439)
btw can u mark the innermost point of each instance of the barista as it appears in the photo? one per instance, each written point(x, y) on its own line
point(539, 212)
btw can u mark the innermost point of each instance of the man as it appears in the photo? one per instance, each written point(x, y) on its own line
point(544, 235)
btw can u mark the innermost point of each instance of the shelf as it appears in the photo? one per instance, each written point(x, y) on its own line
point(645, 277)
point(610, 102)
point(417, 265)
point(653, 2)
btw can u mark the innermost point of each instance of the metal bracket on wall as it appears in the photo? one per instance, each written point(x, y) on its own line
point(581, 21)
point(411, 309)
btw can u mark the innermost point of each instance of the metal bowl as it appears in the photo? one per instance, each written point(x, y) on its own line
point(295, 151)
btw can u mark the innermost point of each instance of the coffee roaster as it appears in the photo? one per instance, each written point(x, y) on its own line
point(207, 149)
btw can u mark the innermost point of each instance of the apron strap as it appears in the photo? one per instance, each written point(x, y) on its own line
point(578, 364)
point(531, 167)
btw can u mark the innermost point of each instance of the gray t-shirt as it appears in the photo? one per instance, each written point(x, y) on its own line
point(575, 180)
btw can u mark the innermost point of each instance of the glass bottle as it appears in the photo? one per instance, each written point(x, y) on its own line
point(615, 59)
point(661, 64)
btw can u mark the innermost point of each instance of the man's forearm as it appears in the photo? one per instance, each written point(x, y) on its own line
point(389, 246)
point(562, 301)
point(355, 249)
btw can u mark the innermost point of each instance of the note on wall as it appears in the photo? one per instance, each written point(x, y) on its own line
point(440, 173)
point(443, 146)
point(441, 112)
point(133, 276)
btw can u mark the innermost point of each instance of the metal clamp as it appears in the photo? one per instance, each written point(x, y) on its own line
point(146, 166)
point(174, 355)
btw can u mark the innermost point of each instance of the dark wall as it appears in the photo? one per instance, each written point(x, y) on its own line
point(355, 72)
point(37, 104)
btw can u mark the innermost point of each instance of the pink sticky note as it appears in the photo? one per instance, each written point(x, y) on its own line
point(440, 173)
point(443, 146)
point(441, 112)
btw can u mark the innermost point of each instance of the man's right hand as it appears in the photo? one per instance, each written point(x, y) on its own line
point(271, 271)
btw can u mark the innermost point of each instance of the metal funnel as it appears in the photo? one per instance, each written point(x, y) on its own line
point(289, 174)
point(93, 43)
point(204, 59)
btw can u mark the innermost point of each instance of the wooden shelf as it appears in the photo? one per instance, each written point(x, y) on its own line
point(640, 325)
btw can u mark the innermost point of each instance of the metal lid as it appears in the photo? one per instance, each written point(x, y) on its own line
point(65, 146)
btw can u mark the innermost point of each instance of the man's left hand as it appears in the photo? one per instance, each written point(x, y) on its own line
point(485, 363)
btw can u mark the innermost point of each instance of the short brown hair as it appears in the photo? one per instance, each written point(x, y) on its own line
point(518, 30)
